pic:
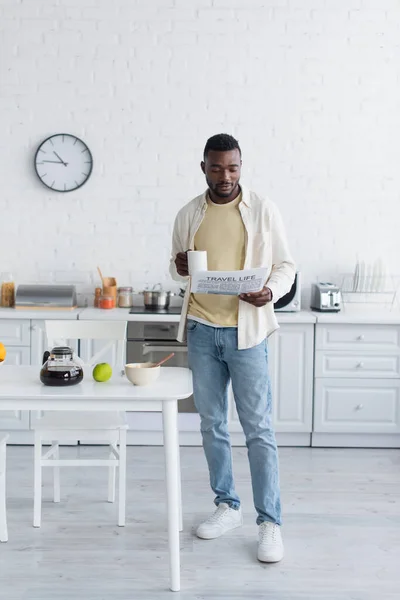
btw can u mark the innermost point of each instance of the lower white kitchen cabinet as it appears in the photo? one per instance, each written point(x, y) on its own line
point(357, 385)
point(334, 383)
point(291, 371)
point(15, 419)
point(15, 334)
point(357, 406)
point(25, 341)
point(291, 358)
point(18, 355)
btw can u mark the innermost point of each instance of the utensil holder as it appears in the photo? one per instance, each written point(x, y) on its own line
point(110, 288)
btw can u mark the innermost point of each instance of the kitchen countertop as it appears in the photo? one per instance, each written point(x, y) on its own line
point(39, 313)
point(122, 314)
point(345, 316)
point(360, 315)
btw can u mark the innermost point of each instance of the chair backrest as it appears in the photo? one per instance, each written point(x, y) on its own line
point(112, 331)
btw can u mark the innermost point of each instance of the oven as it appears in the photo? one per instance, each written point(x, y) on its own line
point(152, 341)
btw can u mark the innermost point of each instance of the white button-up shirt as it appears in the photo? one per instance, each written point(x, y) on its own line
point(266, 246)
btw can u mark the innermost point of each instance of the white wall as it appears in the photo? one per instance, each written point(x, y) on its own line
point(311, 89)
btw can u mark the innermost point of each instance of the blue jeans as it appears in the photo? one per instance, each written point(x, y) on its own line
point(214, 359)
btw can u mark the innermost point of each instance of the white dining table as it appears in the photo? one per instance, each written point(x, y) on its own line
point(21, 389)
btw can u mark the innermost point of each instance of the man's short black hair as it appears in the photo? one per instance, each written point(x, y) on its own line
point(222, 142)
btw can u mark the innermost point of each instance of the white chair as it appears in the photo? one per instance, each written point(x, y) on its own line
point(67, 426)
point(3, 514)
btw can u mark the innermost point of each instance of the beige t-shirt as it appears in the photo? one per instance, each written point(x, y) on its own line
point(222, 234)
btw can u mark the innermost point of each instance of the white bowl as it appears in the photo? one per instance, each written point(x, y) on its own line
point(142, 373)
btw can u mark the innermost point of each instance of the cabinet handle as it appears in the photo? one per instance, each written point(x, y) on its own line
point(34, 327)
point(359, 406)
point(360, 365)
point(360, 337)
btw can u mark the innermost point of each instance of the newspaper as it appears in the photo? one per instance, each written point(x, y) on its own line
point(229, 283)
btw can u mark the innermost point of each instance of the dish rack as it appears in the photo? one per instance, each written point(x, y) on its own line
point(374, 290)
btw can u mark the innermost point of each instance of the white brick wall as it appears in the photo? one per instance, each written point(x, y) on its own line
point(311, 88)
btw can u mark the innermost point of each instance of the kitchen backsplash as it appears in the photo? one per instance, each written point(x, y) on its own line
point(308, 88)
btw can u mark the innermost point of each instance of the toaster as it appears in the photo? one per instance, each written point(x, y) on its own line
point(325, 297)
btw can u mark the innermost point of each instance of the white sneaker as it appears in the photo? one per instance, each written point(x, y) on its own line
point(270, 545)
point(222, 520)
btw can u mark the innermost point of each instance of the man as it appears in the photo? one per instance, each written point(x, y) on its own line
point(226, 336)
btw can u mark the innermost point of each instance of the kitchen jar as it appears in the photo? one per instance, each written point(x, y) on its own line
point(110, 291)
point(7, 290)
point(125, 297)
point(97, 294)
point(106, 301)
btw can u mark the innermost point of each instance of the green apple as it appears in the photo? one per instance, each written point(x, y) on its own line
point(102, 372)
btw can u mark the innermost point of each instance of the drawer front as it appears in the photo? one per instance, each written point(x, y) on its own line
point(18, 355)
point(385, 338)
point(15, 332)
point(351, 364)
point(357, 406)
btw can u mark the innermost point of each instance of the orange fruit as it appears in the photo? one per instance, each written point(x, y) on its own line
point(3, 352)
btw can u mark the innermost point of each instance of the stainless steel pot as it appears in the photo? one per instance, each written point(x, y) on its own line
point(156, 299)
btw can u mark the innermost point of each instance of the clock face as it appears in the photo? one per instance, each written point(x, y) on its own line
point(63, 162)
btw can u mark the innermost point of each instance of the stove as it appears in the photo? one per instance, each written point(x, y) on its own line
point(142, 310)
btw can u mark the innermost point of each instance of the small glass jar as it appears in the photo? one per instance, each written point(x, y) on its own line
point(106, 302)
point(7, 290)
point(125, 297)
point(97, 294)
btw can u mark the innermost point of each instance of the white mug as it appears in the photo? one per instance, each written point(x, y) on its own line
point(197, 261)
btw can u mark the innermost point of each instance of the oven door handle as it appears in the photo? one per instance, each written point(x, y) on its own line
point(147, 348)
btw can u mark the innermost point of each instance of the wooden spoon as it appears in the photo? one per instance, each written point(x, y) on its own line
point(101, 276)
point(164, 360)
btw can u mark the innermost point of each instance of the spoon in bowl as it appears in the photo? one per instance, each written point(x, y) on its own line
point(164, 360)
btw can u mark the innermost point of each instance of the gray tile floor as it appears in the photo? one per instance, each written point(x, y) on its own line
point(341, 531)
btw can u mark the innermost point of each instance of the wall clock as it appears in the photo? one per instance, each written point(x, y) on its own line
point(63, 162)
